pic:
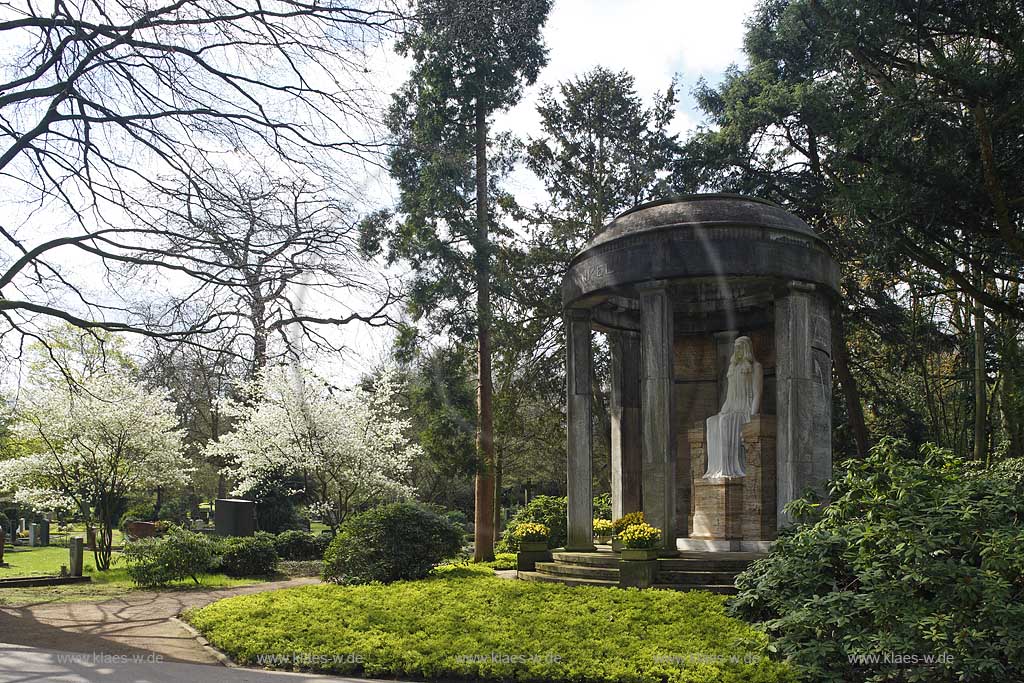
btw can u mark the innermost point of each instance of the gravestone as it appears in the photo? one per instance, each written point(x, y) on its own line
point(33, 535)
point(76, 552)
point(3, 540)
point(44, 532)
point(21, 526)
point(234, 517)
point(90, 538)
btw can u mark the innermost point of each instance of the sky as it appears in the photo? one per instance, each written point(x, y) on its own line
point(653, 40)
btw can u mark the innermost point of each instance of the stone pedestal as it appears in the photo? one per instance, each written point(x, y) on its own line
point(718, 513)
point(33, 535)
point(759, 490)
point(76, 553)
point(734, 513)
point(637, 573)
point(526, 560)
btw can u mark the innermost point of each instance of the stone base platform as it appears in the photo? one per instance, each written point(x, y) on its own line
point(718, 545)
point(713, 571)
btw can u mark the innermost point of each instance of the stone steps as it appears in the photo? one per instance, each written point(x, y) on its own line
point(566, 580)
point(581, 571)
point(691, 570)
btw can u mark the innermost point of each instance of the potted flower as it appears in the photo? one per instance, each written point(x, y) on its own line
point(640, 542)
point(603, 530)
point(623, 523)
point(532, 536)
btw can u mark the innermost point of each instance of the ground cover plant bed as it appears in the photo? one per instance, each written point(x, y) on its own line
point(464, 623)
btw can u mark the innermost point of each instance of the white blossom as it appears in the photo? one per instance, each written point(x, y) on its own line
point(350, 445)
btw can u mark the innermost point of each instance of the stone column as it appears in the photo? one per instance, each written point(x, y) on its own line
point(656, 400)
point(579, 488)
point(803, 375)
point(624, 405)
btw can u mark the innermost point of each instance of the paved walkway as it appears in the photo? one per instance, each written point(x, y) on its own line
point(139, 625)
point(22, 664)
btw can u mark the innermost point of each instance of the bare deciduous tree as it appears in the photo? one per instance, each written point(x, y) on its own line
point(104, 102)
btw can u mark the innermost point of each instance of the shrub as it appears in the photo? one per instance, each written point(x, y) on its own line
point(603, 527)
point(389, 543)
point(248, 555)
point(627, 520)
point(547, 510)
point(911, 557)
point(180, 554)
point(530, 531)
point(141, 512)
point(603, 506)
point(298, 545)
point(640, 535)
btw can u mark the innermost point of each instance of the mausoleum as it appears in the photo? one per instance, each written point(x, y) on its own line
point(717, 315)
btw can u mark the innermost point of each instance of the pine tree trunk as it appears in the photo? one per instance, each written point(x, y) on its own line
point(483, 537)
point(851, 393)
point(980, 397)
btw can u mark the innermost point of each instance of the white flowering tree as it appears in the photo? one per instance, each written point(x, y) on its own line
point(349, 446)
point(94, 443)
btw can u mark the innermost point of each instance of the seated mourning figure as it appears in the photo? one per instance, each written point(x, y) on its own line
point(742, 400)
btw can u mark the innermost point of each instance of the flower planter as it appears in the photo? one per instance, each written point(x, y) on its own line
point(603, 540)
point(616, 545)
point(639, 554)
point(532, 546)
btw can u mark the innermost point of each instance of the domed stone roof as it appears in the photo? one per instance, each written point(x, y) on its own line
point(699, 236)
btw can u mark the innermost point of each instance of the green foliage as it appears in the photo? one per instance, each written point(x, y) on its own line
point(389, 543)
point(140, 512)
point(179, 554)
point(627, 520)
point(299, 545)
point(547, 510)
point(640, 535)
point(451, 627)
point(603, 506)
point(249, 555)
point(913, 556)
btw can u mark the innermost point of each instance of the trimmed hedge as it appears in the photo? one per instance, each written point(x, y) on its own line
point(299, 546)
point(468, 625)
point(389, 543)
point(248, 555)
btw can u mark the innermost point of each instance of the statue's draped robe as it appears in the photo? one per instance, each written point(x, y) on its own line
point(725, 445)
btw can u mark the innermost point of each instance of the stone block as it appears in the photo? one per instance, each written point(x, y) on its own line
point(526, 560)
point(637, 573)
point(718, 508)
point(76, 554)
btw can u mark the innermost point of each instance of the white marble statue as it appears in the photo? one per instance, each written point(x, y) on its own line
point(742, 399)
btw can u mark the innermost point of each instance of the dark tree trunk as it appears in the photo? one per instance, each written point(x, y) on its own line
point(980, 396)
point(483, 536)
point(851, 393)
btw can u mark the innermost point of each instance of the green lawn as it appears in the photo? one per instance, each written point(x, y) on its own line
point(466, 623)
point(104, 585)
